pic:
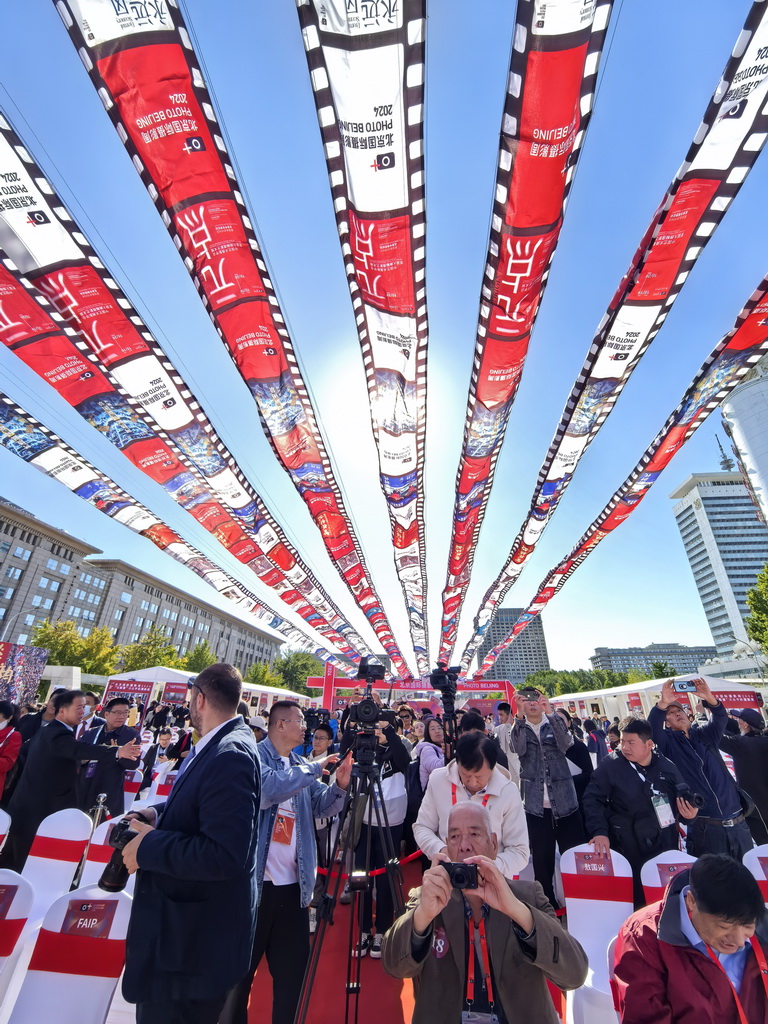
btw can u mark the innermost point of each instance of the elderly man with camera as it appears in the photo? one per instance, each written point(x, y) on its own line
point(480, 948)
point(720, 826)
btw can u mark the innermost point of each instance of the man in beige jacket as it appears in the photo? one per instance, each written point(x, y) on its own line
point(475, 777)
point(516, 941)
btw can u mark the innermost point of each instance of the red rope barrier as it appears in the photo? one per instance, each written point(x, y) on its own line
point(377, 871)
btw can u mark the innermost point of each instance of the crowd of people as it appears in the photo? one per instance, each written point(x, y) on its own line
point(228, 864)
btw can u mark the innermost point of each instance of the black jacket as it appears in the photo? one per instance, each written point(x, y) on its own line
point(750, 762)
point(617, 804)
point(106, 776)
point(578, 754)
point(194, 909)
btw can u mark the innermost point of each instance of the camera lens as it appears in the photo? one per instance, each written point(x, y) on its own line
point(460, 878)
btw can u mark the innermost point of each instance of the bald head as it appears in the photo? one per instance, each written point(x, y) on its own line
point(470, 833)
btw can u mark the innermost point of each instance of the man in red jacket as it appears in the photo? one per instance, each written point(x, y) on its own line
point(700, 954)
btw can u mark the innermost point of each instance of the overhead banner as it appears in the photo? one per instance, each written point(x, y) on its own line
point(548, 105)
point(141, 61)
point(23, 436)
point(729, 140)
point(366, 64)
point(52, 251)
point(725, 368)
point(21, 669)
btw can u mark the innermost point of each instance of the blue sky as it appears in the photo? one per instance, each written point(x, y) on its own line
point(662, 66)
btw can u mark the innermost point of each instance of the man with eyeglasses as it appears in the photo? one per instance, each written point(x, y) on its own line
point(107, 776)
point(291, 797)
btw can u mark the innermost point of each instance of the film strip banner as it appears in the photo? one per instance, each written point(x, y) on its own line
point(366, 64)
point(727, 143)
point(144, 68)
point(50, 249)
point(725, 368)
point(24, 436)
point(548, 105)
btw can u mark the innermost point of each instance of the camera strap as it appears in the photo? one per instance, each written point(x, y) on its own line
point(454, 792)
point(763, 967)
point(478, 944)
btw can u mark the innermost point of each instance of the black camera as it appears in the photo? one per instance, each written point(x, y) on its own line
point(115, 875)
point(684, 792)
point(462, 876)
point(445, 680)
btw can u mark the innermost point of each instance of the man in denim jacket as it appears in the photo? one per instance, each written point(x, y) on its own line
point(540, 739)
point(291, 797)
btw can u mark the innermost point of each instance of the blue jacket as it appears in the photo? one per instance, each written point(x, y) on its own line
point(310, 798)
point(194, 910)
point(698, 759)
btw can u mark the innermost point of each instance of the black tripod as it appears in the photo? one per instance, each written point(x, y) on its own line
point(364, 799)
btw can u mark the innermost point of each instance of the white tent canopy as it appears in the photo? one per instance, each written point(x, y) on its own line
point(157, 674)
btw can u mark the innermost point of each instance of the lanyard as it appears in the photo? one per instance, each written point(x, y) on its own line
point(7, 736)
point(486, 798)
point(485, 960)
point(760, 957)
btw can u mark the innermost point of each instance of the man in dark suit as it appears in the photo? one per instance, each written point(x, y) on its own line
point(107, 776)
point(91, 719)
point(194, 909)
point(50, 775)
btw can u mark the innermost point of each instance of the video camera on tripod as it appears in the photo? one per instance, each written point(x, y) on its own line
point(365, 714)
point(445, 680)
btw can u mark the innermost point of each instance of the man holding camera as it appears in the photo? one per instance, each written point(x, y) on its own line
point(194, 909)
point(480, 945)
point(720, 826)
point(632, 802)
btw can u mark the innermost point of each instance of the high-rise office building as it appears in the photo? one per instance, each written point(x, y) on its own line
point(46, 573)
point(681, 658)
point(727, 546)
point(527, 654)
point(745, 420)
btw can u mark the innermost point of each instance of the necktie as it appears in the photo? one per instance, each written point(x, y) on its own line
point(185, 763)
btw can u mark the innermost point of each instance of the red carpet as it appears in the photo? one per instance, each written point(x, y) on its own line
point(381, 998)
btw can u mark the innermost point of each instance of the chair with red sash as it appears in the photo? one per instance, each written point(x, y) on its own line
point(5, 827)
point(56, 852)
point(76, 961)
point(658, 872)
point(131, 787)
point(16, 896)
point(611, 964)
point(756, 860)
point(98, 855)
point(598, 900)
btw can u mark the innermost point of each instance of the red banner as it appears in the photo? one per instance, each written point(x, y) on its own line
point(175, 693)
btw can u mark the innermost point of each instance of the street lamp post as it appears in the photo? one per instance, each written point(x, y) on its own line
point(8, 623)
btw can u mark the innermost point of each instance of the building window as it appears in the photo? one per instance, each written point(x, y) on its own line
point(28, 620)
point(37, 601)
point(12, 573)
point(134, 638)
point(22, 638)
point(23, 553)
point(44, 581)
point(119, 614)
point(55, 584)
point(140, 621)
point(48, 603)
point(65, 569)
point(51, 564)
point(145, 606)
point(125, 597)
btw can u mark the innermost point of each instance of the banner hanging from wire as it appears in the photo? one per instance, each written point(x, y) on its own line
point(548, 105)
point(366, 66)
point(726, 366)
point(729, 140)
point(147, 74)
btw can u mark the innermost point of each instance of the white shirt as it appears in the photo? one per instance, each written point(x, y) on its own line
point(281, 868)
point(200, 745)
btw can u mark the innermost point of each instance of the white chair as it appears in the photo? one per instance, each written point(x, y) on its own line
point(5, 827)
point(16, 897)
point(658, 872)
point(77, 958)
point(756, 860)
point(598, 899)
point(56, 852)
point(162, 780)
point(610, 963)
point(131, 787)
point(99, 855)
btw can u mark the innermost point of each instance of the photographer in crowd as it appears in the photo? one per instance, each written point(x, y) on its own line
point(473, 776)
point(632, 805)
point(291, 796)
point(720, 826)
point(747, 744)
point(700, 954)
point(541, 740)
point(502, 936)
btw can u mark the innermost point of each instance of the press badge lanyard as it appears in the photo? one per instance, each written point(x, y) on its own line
point(760, 957)
point(661, 805)
point(483, 955)
point(486, 798)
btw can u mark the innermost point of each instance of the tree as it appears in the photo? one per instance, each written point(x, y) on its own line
point(94, 653)
point(661, 670)
point(579, 680)
point(295, 667)
point(757, 602)
point(154, 648)
point(260, 674)
point(200, 657)
point(637, 675)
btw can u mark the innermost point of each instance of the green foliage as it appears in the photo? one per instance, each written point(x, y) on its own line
point(260, 674)
point(200, 657)
point(662, 670)
point(95, 653)
point(579, 680)
point(638, 675)
point(295, 667)
point(757, 602)
point(154, 648)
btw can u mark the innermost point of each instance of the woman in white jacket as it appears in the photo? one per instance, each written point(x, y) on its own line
point(474, 775)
